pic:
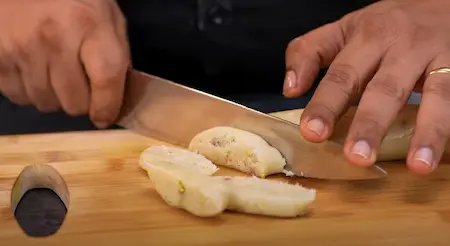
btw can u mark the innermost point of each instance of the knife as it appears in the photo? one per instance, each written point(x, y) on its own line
point(174, 113)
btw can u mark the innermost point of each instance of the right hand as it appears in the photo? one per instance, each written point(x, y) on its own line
point(71, 55)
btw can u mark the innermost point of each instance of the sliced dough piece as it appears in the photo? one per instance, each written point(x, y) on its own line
point(179, 156)
point(208, 196)
point(267, 197)
point(185, 188)
point(238, 149)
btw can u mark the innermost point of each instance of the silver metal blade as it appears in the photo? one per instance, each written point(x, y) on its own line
point(175, 114)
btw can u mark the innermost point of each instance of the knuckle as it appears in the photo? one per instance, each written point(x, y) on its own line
point(74, 110)
point(312, 44)
point(372, 24)
point(419, 37)
point(104, 112)
point(107, 71)
point(440, 127)
point(344, 78)
point(367, 126)
point(295, 45)
point(434, 132)
point(6, 67)
point(42, 96)
point(83, 14)
point(87, 12)
point(49, 35)
point(388, 86)
point(47, 107)
point(439, 87)
point(75, 103)
point(299, 48)
point(22, 54)
point(36, 90)
point(38, 87)
point(303, 44)
point(82, 9)
point(380, 26)
point(75, 107)
point(103, 115)
point(325, 111)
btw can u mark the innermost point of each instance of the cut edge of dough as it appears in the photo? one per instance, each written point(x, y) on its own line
point(269, 159)
point(185, 188)
point(179, 156)
point(258, 196)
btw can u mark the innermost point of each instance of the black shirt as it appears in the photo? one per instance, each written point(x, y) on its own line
point(223, 46)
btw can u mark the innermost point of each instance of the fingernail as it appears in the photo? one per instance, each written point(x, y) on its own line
point(316, 126)
point(101, 124)
point(424, 155)
point(362, 148)
point(290, 81)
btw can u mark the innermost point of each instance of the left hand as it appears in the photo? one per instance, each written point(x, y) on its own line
point(380, 53)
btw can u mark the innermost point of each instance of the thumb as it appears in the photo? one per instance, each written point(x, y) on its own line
point(307, 54)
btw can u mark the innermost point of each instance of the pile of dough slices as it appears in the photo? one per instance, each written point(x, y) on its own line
point(184, 177)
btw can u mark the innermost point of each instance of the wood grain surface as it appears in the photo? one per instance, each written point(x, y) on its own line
point(112, 202)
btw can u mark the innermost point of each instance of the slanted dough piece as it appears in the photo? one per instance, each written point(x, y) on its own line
point(183, 180)
point(238, 149)
point(186, 188)
point(208, 196)
point(253, 195)
point(179, 156)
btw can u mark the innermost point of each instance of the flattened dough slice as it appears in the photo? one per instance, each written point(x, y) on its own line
point(179, 156)
point(267, 197)
point(185, 188)
point(240, 150)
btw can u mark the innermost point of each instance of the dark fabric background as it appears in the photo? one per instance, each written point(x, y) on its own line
point(239, 50)
point(233, 49)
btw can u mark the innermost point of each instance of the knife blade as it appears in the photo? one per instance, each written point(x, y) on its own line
point(174, 113)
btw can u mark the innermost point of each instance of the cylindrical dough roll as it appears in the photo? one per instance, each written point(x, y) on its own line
point(395, 144)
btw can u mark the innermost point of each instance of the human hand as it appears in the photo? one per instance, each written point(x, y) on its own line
point(64, 54)
point(380, 53)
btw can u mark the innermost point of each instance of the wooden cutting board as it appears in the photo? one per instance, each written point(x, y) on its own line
point(113, 203)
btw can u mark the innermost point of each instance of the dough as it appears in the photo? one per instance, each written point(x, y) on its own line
point(238, 149)
point(393, 147)
point(178, 156)
point(267, 197)
point(185, 186)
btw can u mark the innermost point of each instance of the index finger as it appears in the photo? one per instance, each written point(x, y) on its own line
point(308, 53)
point(106, 59)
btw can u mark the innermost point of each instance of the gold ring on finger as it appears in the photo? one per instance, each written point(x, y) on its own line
point(440, 70)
